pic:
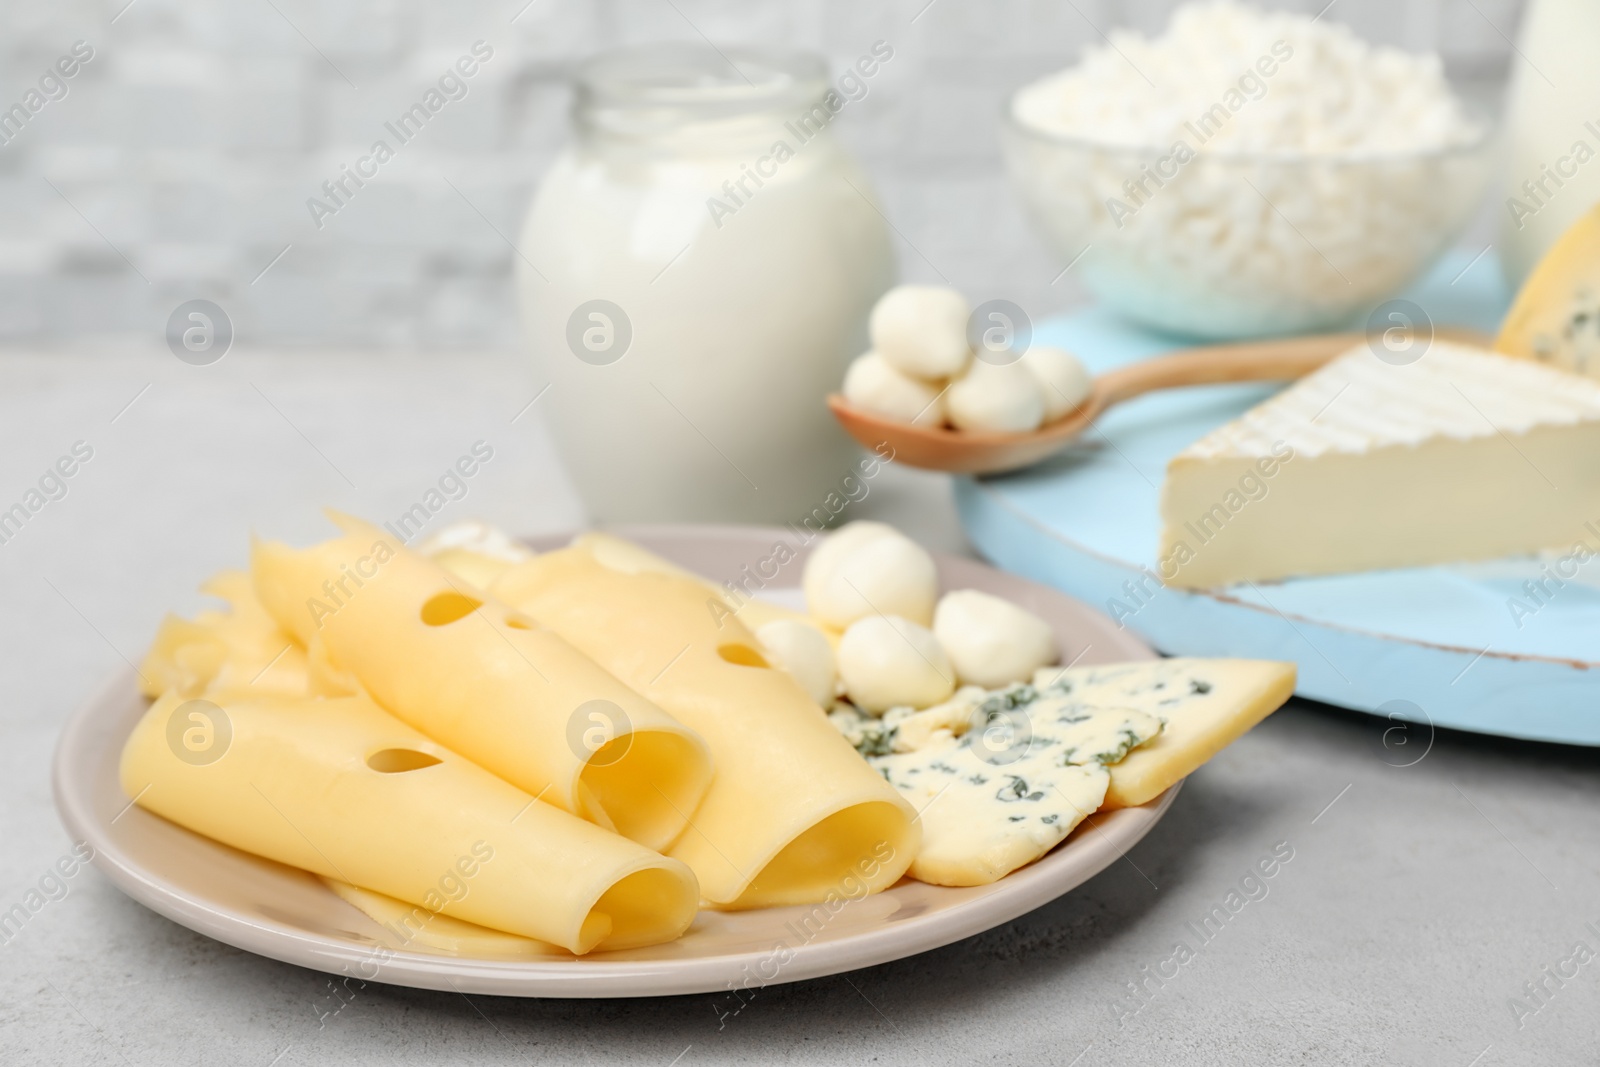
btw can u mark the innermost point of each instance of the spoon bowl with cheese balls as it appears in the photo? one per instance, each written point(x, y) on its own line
point(991, 408)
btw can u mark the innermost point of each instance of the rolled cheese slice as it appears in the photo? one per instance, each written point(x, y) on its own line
point(343, 789)
point(489, 683)
point(242, 648)
point(793, 814)
point(472, 567)
point(409, 926)
point(738, 595)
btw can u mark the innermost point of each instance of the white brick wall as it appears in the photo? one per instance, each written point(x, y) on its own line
point(193, 138)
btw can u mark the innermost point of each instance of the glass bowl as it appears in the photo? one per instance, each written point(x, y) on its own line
point(1244, 244)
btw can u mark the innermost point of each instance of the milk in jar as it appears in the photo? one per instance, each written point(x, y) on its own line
point(696, 270)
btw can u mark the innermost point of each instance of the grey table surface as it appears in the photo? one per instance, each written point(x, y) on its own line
point(1435, 885)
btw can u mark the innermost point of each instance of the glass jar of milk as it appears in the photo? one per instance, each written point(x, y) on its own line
point(695, 272)
point(1553, 130)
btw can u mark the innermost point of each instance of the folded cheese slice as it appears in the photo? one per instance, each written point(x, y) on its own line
point(474, 550)
point(343, 789)
point(489, 683)
point(410, 926)
point(1462, 454)
point(620, 554)
point(242, 648)
point(794, 814)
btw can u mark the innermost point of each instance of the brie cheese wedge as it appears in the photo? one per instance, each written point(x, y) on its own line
point(1461, 454)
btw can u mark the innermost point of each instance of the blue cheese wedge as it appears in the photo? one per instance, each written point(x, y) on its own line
point(1001, 777)
point(905, 729)
point(1207, 704)
point(868, 734)
point(911, 729)
point(980, 822)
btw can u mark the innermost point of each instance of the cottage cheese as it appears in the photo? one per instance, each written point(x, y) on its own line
point(1247, 172)
point(1328, 91)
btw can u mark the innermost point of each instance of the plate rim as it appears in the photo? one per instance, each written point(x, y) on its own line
point(1076, 861)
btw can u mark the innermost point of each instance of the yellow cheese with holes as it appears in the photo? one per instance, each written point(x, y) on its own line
point(324, 678)
point(474, 568)
point(620, 554)
point(793, 813)
point(343, 789)
point(494, 686)
point(410, 926)
point(474, 551)
point(1555, 318)
point(242, 649)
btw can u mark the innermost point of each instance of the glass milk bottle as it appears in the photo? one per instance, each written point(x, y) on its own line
point(1552, 129)
point(696, 272)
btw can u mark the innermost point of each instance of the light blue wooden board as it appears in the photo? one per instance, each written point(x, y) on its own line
point(1441, 638)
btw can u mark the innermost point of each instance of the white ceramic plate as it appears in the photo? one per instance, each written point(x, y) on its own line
point(289, 915)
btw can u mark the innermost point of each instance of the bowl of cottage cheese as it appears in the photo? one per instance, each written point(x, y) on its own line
point(1247, 173)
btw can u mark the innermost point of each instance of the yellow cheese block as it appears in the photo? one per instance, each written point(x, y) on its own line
point(620, 554)
point(472, 674)
point(793, 813)
point(1556, 316)
point(240, 649)
point(341, 788)
point(1206, 705)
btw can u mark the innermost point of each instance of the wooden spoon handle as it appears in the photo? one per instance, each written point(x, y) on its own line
point(1280, 359)
point(1250, 361)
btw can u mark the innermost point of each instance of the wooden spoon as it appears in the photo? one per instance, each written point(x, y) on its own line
point(940, 448)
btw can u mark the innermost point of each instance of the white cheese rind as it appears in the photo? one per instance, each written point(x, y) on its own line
point(1363, 465)
point(1358, 403)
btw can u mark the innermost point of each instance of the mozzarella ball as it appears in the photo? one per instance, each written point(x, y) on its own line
point(856, 573)
point(804, 653)
point(922, 330)
point(990, 641)
point(873, 384)
point(886, 661)
point(1064, 381)
point(1000, 399)
point(839, 544)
